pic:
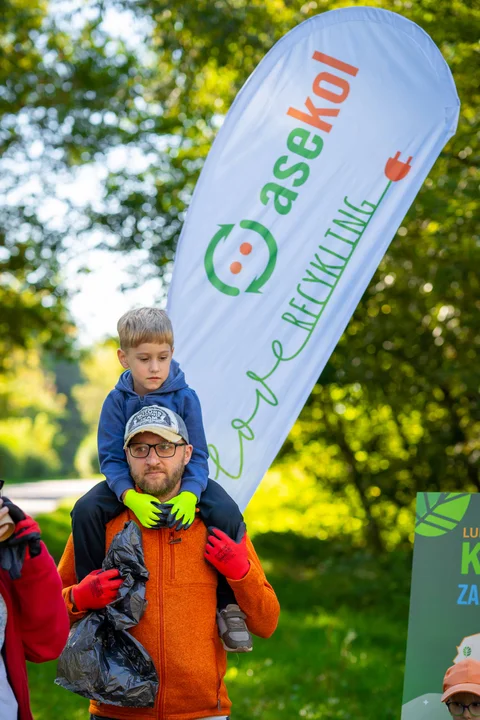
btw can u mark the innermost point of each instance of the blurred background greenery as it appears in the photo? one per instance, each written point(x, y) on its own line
point(395, 411)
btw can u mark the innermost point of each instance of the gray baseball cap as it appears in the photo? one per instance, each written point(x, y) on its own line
point(159, 420)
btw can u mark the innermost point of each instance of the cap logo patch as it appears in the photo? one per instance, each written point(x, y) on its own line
point(154, 415)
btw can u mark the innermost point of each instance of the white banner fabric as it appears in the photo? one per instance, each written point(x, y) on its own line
point(317, 162)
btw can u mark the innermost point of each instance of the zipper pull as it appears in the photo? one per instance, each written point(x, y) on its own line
point(172, 539)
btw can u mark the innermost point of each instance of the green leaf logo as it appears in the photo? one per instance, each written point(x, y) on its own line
point(438, 513)
point(467, 651)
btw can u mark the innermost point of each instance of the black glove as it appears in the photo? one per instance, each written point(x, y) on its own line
point(169, 520)
point(25, 541)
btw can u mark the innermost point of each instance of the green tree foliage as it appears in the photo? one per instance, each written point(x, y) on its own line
point(31, 300)
point(397, 406)
point(72, 427)
point(30, 408)
point(100, 370)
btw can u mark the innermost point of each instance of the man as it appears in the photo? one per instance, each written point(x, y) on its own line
point(178, 628)
point(461, 689)
point(33, 620)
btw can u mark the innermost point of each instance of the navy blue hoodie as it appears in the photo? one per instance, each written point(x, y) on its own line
point(123, 402)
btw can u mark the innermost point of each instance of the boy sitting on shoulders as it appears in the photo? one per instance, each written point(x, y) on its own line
point(152, 377)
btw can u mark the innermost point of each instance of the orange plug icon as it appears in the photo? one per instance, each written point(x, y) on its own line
point(395, 169)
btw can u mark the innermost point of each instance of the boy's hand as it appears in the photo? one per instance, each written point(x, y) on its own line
point(228, 556)
point(97, 590)
point(180, 511)
point(146, 508)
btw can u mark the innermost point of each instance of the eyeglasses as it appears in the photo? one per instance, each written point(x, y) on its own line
point(457, 709)
point(163, 449)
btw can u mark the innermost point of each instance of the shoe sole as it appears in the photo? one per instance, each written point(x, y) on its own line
point(237, 650)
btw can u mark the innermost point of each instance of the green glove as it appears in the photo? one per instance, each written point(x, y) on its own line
point(146, 508)
point(181, 510)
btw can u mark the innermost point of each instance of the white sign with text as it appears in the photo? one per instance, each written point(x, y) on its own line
point(317, 162)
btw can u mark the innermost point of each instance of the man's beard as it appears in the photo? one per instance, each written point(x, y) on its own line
point(159, 487)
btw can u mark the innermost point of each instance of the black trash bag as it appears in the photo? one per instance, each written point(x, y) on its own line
point(101, 661)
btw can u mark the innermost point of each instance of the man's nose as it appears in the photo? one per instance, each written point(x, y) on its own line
point(152, 457)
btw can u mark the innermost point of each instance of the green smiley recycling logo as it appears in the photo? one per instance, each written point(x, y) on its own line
point(245, 249)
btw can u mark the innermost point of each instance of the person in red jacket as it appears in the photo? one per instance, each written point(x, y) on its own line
point(34, 623)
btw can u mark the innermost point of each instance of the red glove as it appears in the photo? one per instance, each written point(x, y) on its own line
point(27, 531)
point(228, 556)
point(97, 589)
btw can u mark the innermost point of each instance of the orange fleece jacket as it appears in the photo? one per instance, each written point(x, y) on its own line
point(179, 628)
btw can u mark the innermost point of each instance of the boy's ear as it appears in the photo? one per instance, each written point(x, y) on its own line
point(122, 357)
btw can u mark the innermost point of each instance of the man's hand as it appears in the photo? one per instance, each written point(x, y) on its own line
point(146, 508)
point(228, 556)
point(179, 512)
point(97, 590)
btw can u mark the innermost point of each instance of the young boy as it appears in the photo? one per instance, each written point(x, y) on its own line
point(152, 377)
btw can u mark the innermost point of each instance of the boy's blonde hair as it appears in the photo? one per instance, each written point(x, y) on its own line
point(144, 325)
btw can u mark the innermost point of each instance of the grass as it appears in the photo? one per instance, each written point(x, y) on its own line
point(337, 654)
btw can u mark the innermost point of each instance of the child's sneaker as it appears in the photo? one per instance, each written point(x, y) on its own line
point(233, 630)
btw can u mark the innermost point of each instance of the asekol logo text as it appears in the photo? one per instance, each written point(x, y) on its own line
point(333, 88)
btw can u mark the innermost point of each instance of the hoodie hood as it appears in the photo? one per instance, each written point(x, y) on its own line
point(175, 381)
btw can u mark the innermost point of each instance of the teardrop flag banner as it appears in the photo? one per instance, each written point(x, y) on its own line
point(317, 162)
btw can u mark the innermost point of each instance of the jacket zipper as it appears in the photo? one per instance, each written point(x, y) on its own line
point(172, 541)
point(161, 563)
point(219, 679)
